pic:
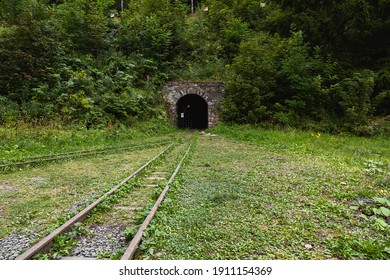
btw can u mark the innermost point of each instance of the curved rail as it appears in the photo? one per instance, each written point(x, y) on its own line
point(129, 253)
point(46, 242)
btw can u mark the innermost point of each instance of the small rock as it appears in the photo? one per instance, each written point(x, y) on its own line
point(308, 246)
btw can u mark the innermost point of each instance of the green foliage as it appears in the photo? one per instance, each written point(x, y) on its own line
point(148, 34)
point(40, 257)
point(303, 74)
point(382, 211)
point(85, 25)
point(288, 63)
point(130, 232)
point(254, 81)
point(285, 82)
point(383, 201)
point(349, 248)
point(29, 52)
point(373, 167)
point(353, 31)
point(59, 63)
point(9, 111)
point(354, 94)
point(152, 29)
point(63, 243)
point(381, 101)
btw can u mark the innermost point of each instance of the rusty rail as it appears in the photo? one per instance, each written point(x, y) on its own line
point(46, 242)
point(137, 238)
point(54, 157)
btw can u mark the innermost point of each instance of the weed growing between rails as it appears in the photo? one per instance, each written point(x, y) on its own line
point(152, 235)
point(238, 200)
point(155, 237)
point(32, 199)
point(60, 232)
point(65, 242)
point(104, 216)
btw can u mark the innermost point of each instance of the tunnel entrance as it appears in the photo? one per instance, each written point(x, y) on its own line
point(192, 112)
point(203, 98)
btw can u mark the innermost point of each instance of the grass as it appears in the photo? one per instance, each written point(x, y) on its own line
point(35, 198)
point(129, 208)
point(42, 197)
point(252, 193)
point(23, 141)
point(247, 193)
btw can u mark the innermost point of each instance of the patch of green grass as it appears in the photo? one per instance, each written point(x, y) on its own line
point(256, 194)
point(24, 141)
point(350, 248)
point(346, 149)
point(23, 213)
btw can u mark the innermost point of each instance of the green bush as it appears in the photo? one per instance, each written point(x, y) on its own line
point(251, 88)
point(9, 111)
point(286, 82)
point(381, 101)
point(286, 64)
point(353, 99)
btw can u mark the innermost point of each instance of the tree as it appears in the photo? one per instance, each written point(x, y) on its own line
point(250, 91)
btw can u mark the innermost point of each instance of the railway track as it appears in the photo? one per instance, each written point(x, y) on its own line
point(75, 154)
point(128, 199)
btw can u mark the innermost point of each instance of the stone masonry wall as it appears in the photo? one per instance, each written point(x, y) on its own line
point(212, 92)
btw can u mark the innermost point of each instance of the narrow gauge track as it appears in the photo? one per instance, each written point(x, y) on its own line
point(45, 244)
point(74, 154)
point(129, 253)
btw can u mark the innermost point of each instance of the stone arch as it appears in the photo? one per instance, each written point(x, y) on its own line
point(210, 92)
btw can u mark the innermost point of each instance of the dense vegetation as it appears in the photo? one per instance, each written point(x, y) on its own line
point(320, 65)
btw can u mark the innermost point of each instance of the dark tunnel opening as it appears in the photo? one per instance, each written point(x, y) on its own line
point(192, 112)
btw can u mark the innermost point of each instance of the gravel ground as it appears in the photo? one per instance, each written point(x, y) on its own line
point(106, 240)
point(103, 239)
point(14, 244)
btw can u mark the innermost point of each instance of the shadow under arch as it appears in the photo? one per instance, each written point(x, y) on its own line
point(192, 112)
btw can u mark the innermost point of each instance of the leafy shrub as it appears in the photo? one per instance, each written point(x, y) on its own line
point(381, 101)
point(250, 90)
point(9, 111)
point(353, 95)
point(303, 75)
point(285, 81)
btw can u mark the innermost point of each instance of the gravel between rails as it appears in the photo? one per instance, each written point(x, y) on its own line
point(12, 245)
point(102, 239)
